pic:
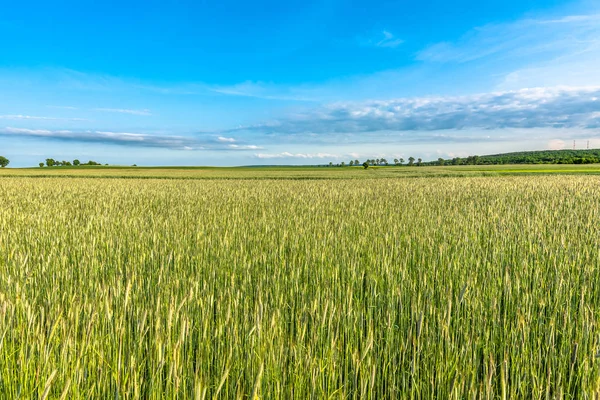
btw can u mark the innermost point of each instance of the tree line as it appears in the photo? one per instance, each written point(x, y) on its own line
point(379, 162)
point(50, 162)
point(591, 156)
point(524, 157)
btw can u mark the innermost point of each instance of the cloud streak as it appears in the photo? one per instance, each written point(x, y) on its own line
point(144, 112)
point(285, 154)
point(173, 142)
point(39, 118)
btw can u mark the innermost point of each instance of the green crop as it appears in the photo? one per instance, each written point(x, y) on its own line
point(481, 287)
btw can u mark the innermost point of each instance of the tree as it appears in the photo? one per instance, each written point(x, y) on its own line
point(76, 162)
point(365, 165)
point(401, 161)
point(411, 161)
point(395, 161)
point(330, 164)
point(41, 165)
point(343, 164)
point(378, 161)
point(4, 161)
point(356, 162)
point(351, 162)
point(441, 161)
point(383, 161)
point(419, 162)
point(50, 162)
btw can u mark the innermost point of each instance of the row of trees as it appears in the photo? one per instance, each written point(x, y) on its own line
point(526, 157)
point(379, 162)
point(591, 156)
point(4, 161)
point(51, 162)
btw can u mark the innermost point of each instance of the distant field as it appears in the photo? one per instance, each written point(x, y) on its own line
point(301, 172)
point(327, 287)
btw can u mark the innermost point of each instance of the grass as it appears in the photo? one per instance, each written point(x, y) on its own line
point(430, 287)
point(300, 172)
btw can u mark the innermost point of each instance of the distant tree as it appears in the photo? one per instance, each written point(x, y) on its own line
point(365, 165)
point(41, 165)
point(384, 161)
point(343, 164)
point(411, 161)
point(76, 162)
point(378, 161)
point(396, 161)
point(4, 161)
point(356, 162)
point(419, 162)
point(330, 164)
point(50, 162)
point(401, 161)
point(351, 163)
point(441, 161)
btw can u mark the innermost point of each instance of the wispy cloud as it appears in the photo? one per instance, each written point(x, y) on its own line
point(41, 118)
point(144, 112)
point(225, 139)
point(383, 39)
point(268, 91)
point(63, 107)
point(131, 139)
point(107, 137)
point(389, 40)
point(523, 38)
point(561, 107)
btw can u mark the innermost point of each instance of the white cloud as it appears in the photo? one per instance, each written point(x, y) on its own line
point(561, 107)
point(225, 139)
point(144, 112)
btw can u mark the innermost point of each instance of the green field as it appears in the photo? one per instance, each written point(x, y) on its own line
point(293, 172)
point(299, 283)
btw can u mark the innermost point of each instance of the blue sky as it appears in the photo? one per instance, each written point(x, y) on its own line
point(295, 82)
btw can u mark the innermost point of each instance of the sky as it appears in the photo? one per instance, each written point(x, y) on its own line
point(295, 82)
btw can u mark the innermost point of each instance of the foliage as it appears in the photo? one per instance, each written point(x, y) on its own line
point(50, 162)
point(529, 157)
point(4, 161)
point(433, 288)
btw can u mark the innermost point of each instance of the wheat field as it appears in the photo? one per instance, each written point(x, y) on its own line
point(477, 287)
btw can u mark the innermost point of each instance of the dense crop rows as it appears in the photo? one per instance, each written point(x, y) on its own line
point(384, 288)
